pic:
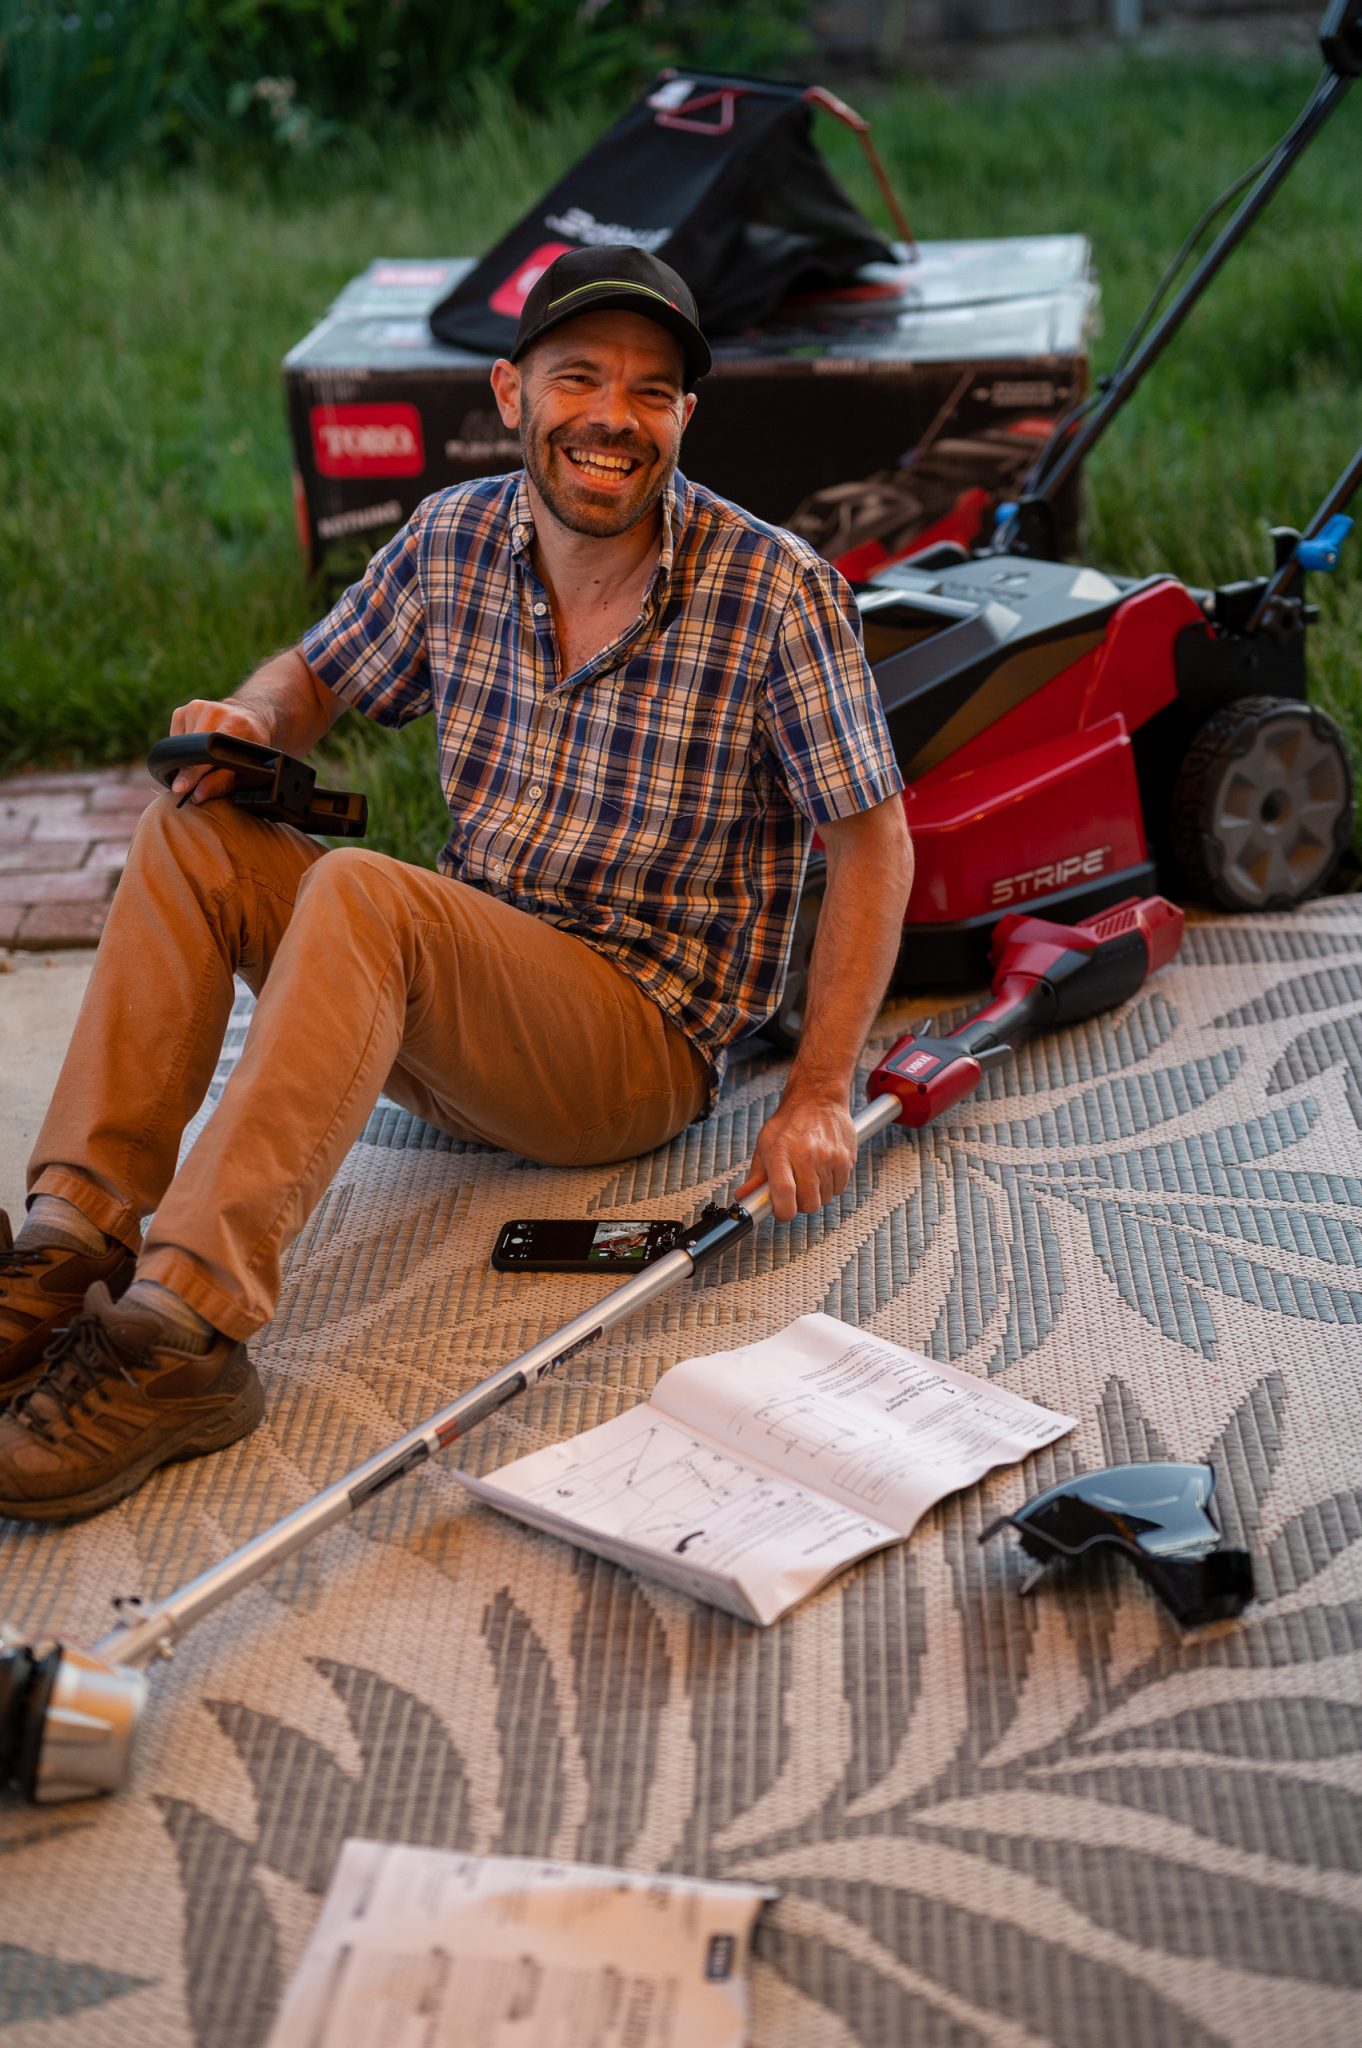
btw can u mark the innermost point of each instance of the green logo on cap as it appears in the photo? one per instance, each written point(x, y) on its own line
point(614, 284)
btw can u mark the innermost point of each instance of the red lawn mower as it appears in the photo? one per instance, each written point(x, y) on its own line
point(1071, 738)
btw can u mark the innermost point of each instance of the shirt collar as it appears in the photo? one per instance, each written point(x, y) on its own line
point(522, 519)
point(675, 505)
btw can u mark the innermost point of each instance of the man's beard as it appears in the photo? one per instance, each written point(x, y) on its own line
point(601, 519)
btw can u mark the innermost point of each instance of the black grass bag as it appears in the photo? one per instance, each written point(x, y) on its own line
point(718, 176)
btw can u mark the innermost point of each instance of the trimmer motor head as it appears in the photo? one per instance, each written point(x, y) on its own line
point(68, 1719)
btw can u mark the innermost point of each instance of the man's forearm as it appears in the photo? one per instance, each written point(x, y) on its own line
point(287, 698)
point(282, 705)
point(870, 872)
point(806, 1149)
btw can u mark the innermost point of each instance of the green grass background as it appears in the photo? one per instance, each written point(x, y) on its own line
point(147, 549)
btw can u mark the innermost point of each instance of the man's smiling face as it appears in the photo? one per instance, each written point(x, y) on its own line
point(600, 408)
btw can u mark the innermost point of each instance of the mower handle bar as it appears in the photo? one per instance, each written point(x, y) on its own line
point(1340, 36)
point(1288, 572)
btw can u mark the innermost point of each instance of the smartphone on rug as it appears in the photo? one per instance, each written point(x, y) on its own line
point(585, 1244)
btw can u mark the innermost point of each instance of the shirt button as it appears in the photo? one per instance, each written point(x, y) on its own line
point(540, 609)
point(498, 870)
point(520, 533)
point(535, 791)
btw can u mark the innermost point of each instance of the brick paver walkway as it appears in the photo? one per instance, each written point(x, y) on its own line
point(63, 842)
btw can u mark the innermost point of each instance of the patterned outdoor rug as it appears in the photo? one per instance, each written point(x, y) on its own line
point(992, 1820)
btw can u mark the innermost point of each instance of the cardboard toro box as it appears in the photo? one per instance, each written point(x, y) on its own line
point(863, 422)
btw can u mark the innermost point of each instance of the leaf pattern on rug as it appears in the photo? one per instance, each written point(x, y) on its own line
point(1264, 1813)
point(1290, 1728)
point(1172, 1224)
point(1245, 1456)
point(233, 1980)
point(530, 1728)
point(884, 1627)
point(739, 1716)
point(412, 1788)
point(1168, 1257)
point(36, 1985)
point(1180, 1910)
point(989, 1816)
point(1062, 1997)
point(624, 1678)
point(877, 2009)
point(1179, 1906)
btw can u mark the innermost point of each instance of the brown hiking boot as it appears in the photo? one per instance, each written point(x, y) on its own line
point(115, 1401)
point(40, 1288)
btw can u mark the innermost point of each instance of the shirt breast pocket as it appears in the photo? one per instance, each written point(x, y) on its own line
point(672, 757)
point(638, 729)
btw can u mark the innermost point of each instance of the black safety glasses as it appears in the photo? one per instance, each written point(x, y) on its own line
point(1156, 1515)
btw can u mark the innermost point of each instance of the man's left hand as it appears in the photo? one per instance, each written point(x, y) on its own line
point(805, 1153)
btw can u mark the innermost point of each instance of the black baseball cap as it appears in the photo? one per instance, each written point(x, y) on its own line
point(590, 280)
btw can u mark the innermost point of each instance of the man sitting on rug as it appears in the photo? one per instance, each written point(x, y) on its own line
point(645, 701)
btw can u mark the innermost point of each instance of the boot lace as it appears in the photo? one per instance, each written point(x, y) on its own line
point(80, 1360)
point(22, 1261)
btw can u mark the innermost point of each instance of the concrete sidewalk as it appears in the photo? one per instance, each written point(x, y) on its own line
point(39, 996)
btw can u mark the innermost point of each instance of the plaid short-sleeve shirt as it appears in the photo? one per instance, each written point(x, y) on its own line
point(660, 801)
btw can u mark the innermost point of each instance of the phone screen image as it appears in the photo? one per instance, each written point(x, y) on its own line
point(619, 1244)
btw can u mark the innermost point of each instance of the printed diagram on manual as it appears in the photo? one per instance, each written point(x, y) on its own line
point(751, 1477)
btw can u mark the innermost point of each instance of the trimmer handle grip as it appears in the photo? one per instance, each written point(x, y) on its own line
point(928, 1075)
point(269, 782)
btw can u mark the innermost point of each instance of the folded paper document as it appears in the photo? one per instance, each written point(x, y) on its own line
point(753, 1476)
point(430, 1947)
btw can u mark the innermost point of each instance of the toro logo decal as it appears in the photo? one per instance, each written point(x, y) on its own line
point(921, 1063)
point(367, 440)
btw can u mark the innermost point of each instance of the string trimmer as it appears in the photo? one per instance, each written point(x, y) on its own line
point(69, 1716)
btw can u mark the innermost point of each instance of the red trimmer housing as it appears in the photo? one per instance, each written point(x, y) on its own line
point(1043, 974)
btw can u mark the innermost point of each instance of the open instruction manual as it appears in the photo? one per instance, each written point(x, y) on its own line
point(751, 1477)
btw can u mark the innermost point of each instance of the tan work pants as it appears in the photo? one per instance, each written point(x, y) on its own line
point(372, 977)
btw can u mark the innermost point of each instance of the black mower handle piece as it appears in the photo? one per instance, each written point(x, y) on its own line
point(269, 782)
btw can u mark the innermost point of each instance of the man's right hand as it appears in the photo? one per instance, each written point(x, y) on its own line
point(203, 715)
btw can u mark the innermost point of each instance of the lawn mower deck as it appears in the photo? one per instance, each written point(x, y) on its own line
point(1050, 723)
